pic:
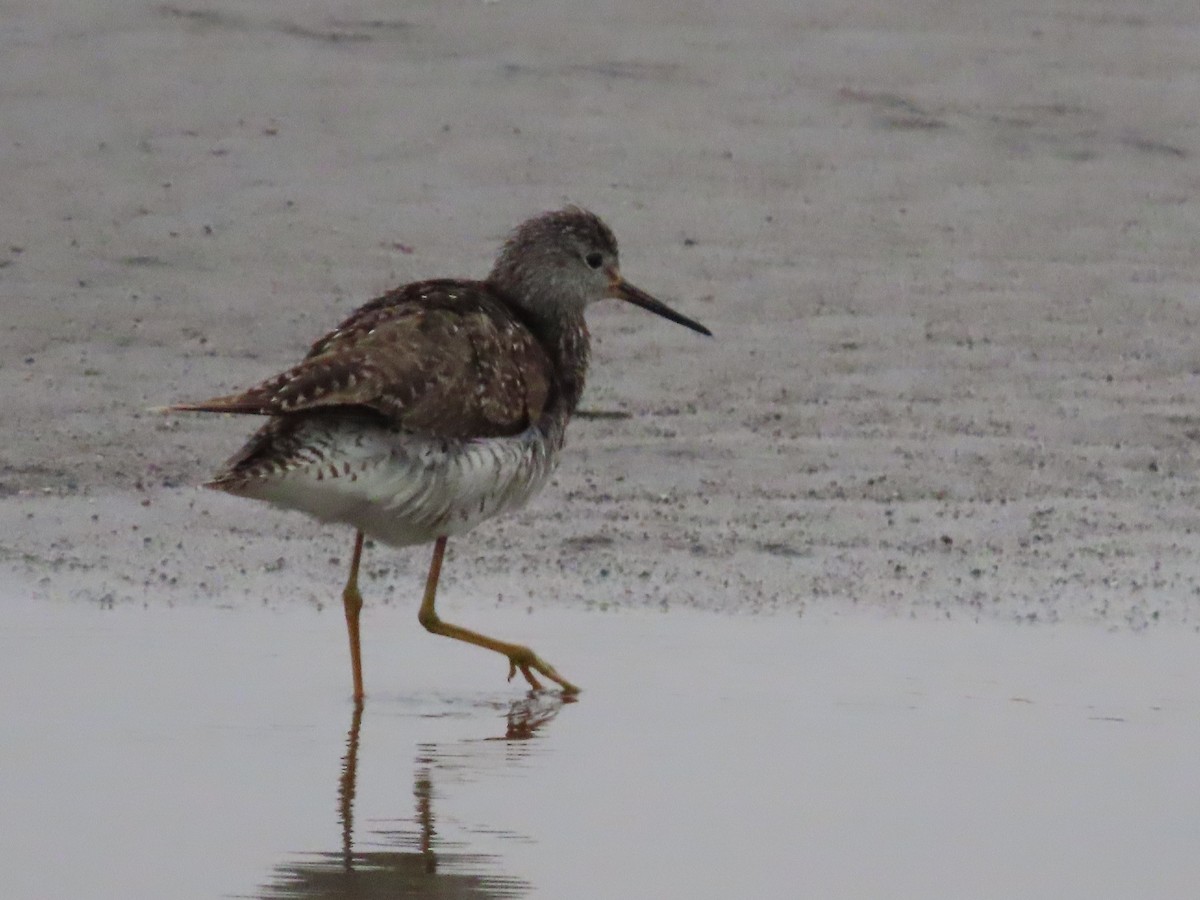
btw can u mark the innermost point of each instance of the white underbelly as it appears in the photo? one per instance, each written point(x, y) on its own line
point(404, 489)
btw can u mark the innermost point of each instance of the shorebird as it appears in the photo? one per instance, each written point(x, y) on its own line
point(436, 406)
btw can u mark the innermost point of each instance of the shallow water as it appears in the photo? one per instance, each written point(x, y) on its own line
point(215, 753)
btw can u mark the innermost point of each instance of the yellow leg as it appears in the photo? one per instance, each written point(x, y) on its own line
point(353, 602)
point(348, 786)
point(519, 657)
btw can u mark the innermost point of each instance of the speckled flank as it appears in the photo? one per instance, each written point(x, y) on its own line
point(402, 488)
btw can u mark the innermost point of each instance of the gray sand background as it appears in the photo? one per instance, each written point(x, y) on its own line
point(948, 252)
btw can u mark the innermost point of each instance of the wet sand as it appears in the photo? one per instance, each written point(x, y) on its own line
point(933, 484)
point(203, 753)
point(948, 255)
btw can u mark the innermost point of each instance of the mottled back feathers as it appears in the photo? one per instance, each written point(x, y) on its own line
point(442, 358)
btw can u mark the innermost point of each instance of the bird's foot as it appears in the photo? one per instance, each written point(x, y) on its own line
point(525, 660)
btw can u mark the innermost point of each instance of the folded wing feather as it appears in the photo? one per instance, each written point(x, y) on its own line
point(431, 357)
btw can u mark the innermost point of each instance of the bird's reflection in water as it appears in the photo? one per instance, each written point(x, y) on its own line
point(426, 865)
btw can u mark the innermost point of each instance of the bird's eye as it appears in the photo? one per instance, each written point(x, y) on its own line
point(595, 260)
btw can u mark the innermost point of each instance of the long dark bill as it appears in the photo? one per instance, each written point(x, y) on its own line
point(638, 297)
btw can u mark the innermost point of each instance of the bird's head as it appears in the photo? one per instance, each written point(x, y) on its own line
point(557, 263)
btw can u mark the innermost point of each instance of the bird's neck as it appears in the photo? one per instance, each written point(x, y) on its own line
point(560, 330)
point(572, 349)
point(569, 346)
point(566, 341)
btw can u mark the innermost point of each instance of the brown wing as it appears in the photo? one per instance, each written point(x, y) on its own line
point(443, 358)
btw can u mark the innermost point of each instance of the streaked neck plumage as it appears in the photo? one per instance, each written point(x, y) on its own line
point(564, 336)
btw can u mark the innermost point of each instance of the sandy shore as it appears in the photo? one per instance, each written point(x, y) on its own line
point(948, 252)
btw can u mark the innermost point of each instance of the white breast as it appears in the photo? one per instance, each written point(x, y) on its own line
point(404, 489)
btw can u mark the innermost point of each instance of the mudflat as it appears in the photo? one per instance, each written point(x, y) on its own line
point(948, 254)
